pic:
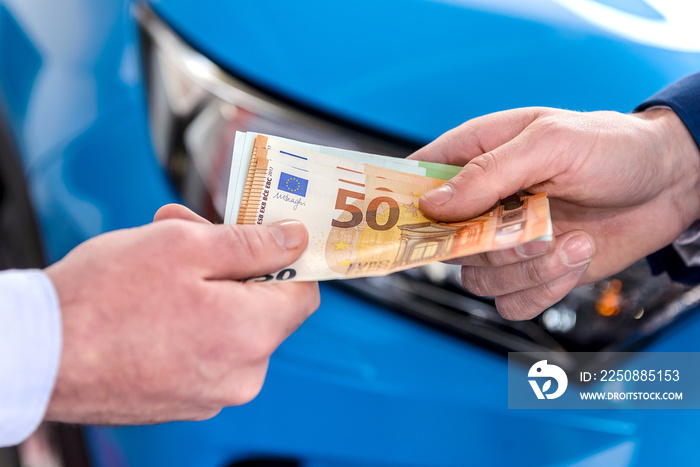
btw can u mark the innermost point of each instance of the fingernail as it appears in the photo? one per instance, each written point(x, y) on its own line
point(288, 234)
point(577, 250)
point(441, 194)
point(533, 248)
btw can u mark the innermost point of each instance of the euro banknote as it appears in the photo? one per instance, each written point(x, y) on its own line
point(362, 210)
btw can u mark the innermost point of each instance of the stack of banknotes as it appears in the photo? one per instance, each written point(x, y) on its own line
point(362, 210)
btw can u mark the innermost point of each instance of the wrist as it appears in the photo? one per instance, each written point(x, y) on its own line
point(679, 157)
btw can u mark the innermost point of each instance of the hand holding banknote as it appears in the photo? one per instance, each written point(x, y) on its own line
point(157, 326)
point(620, 188)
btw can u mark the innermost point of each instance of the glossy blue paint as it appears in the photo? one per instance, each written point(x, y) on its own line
point(418, 68)
point(357, 384)
point(19, 66)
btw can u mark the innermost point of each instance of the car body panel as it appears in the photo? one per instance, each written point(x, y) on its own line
point(418, 68)
point(358, 384)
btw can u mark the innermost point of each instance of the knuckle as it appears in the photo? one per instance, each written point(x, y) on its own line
point(479, 259)
point(490, 259)
point(549, 294)
point(314, 300)
point(548, 125)
point(514, 307)
point(499, 258)
point(247, 242)
point(529, 303)
point(259, 346)
point(474, 281)
point(532, 273)
point(240, 385)
point(246, 394)
point(184, 232)
point(204, 414)
point(179, 237)
point(507, 309)
point(554, 290)
point(247, 389)
point(532, 301)
point(486, 163)
point(463, 136)
point(298, 299)
point(449, 140)
point(311, 299)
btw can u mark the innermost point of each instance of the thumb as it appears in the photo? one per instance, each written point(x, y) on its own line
point(486, 179)
point(477, 136)
point(244, 251)
point(178, 211)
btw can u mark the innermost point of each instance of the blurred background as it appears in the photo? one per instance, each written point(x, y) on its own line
point(111, 109)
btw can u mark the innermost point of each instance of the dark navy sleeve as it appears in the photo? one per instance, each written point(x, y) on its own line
point(683, 97)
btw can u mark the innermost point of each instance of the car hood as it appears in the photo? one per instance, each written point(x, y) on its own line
point(417, 68)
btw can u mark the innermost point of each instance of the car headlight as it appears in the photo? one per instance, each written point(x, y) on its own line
point(195, 108)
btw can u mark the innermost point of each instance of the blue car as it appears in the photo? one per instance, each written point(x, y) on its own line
point(112, 108)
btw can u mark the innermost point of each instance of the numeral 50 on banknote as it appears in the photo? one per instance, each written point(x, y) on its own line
point(342, 203)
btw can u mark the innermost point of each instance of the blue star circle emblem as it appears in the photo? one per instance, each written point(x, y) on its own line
point(292, 184)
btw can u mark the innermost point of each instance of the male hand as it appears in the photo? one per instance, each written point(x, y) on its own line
point(157, 326)
point(620, 187)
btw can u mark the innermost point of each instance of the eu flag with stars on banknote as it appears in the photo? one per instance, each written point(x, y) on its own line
point(291, 184)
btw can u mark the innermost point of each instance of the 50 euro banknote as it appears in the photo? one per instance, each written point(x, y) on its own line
point(362, 210)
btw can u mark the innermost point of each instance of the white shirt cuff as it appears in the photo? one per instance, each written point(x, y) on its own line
point(30, 351)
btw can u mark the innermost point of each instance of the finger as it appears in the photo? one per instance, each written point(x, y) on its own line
point(279, 309)
point(178, 211)
point(282, 308)
point(230, 252)
point(572, 251)
point(523, 163)
point(486, 179)
point(241, 386)
point(502, 257)
point(528, 303)
point(244, 251)
point(288, 305)
point(477, 136)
